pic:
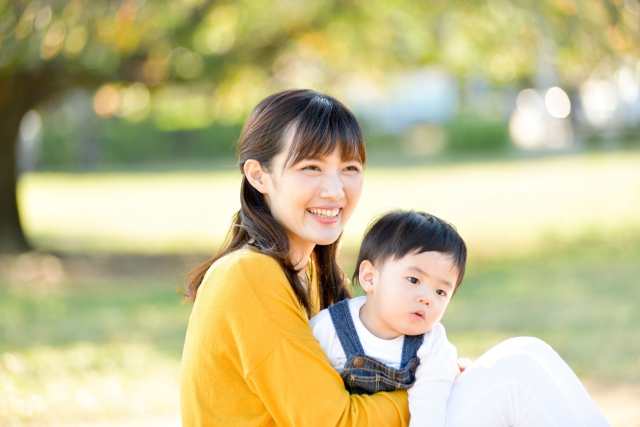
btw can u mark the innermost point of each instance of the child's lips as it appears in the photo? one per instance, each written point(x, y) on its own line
point(418, 315)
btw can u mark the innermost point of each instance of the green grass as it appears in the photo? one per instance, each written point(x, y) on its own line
point(582, 301)
point(499, 206)
point(135, 311)
point(88, 353)
point(110, 350)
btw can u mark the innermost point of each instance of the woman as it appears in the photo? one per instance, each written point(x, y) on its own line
point(250, 358)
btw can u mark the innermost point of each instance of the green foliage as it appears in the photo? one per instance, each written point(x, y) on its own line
point(249, 48)
point(475, 135)
point(114, 142)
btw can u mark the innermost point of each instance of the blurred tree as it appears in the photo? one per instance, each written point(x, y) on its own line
point(197, 60)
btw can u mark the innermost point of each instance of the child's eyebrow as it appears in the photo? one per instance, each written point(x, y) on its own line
point(447, 283)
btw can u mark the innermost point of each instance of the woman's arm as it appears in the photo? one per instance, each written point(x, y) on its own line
point(250, 356)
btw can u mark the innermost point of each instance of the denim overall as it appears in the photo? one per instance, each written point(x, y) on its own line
point(363, 374)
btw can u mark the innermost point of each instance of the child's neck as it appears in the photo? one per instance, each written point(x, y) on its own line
point(374, 324)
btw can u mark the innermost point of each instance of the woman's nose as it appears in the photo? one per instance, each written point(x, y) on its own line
point(332, 187)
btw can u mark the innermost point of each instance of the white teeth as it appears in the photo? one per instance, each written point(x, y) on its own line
point(326, 213)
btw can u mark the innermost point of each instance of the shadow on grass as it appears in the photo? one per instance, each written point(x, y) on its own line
point(58, 301)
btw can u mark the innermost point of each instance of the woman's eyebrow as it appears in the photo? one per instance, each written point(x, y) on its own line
point(315, 157)
point(352, 159)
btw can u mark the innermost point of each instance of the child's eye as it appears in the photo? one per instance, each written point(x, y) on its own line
point(413, 280)
point(441, 293)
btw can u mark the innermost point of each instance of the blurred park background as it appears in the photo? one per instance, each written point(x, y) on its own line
point(518, 121)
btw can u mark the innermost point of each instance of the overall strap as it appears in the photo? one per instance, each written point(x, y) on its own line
point(410, 348)
point(345, 328)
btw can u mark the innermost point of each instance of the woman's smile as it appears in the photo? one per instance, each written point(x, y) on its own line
point(325, 216)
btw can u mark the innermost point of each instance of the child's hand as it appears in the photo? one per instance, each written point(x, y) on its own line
point(462, 363)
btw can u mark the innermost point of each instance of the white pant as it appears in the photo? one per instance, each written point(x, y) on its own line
point(521, 382)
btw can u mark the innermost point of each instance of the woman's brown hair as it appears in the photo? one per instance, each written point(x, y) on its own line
point(318, 125)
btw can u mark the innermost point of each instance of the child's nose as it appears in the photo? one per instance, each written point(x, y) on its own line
point(424, 299)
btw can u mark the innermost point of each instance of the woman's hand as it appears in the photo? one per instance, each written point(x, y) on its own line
point(463, 363)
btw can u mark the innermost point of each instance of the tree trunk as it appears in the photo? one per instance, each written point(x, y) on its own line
point(17, 96)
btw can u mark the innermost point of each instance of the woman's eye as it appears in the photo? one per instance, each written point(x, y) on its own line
point(312, 168)
point(441, 293)
point(352, 169)
point(413, 280)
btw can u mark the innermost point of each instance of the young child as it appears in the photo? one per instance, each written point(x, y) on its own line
point(410, 266)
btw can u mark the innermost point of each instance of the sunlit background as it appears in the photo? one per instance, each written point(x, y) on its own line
point(518, 121)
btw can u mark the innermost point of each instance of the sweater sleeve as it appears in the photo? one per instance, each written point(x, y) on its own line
point(434, 377)
point(255, 322)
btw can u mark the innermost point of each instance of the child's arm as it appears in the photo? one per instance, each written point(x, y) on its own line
point(434, 377)
point(325, 333)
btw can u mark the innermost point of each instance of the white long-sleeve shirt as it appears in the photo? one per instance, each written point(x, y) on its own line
point(434, 376)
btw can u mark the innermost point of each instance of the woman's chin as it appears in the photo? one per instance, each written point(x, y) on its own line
point(326, 240)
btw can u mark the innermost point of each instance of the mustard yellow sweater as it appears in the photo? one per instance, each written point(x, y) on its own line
point(250, 358)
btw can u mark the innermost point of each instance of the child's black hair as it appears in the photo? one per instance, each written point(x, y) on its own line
point(399, 232)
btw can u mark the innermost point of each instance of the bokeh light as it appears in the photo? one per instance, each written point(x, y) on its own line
point(599, 101)
point(529, 104)
point(542, 124)
point(628, 84)
point(557, 102)
point(135, 99)
point(84, 398)
point(43, 17)
point(526, 131)
point(633, 6)
point(76, 41)
point(106, 102)
point(52, 42)
point(189, 65)
point(30, 126)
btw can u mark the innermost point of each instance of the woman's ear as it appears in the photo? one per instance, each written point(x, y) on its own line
point(365, 275)
point(255, 175)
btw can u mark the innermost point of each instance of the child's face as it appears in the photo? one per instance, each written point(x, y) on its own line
point(407, 296)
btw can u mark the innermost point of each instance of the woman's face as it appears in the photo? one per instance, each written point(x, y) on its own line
point(312, 199)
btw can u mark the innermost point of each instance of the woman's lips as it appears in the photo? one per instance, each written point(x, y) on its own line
point(325, 216)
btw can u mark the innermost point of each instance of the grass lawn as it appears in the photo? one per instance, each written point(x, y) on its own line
point(499, 207)
point(108, 349)
point(554, 244)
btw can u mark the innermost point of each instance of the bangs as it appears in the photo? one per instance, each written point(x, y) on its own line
point(324, 126)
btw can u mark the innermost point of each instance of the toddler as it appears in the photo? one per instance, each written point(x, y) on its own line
point(410, 265)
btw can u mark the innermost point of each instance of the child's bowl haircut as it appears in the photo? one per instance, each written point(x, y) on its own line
point(399, 232)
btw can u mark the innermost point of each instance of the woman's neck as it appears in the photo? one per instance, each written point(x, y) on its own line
point(300, 253)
